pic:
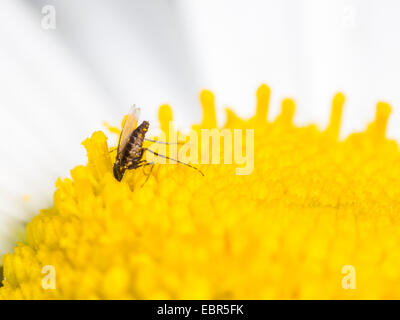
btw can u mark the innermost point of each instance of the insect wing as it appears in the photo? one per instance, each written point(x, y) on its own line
point(130, 125)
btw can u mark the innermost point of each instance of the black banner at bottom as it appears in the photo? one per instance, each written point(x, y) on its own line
point(197, 309)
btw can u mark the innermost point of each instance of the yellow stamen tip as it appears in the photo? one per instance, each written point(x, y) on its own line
point(383, 111)
point(208, 104)
point(165, 116)
point(288, 108)
point(263, 94)
point(336, 115)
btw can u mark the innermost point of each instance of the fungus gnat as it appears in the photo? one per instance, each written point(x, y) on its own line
point(130, 149)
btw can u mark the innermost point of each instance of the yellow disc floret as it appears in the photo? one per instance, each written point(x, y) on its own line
point(312, 209)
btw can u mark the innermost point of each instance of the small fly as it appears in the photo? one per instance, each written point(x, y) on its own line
point(130, 149)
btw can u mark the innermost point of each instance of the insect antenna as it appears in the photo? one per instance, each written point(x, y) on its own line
point(164, 142)
point(165, 157)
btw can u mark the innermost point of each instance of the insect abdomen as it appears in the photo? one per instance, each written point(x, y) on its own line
point(134, 147)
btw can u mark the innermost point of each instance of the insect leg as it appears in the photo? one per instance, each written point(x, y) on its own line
point(142, 163)
point(151, 170)
point(162, 156)
point(136, 165)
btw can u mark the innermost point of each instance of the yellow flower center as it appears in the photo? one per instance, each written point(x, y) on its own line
point(312, 208)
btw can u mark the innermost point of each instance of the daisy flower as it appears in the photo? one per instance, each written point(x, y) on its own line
point(317, 218)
